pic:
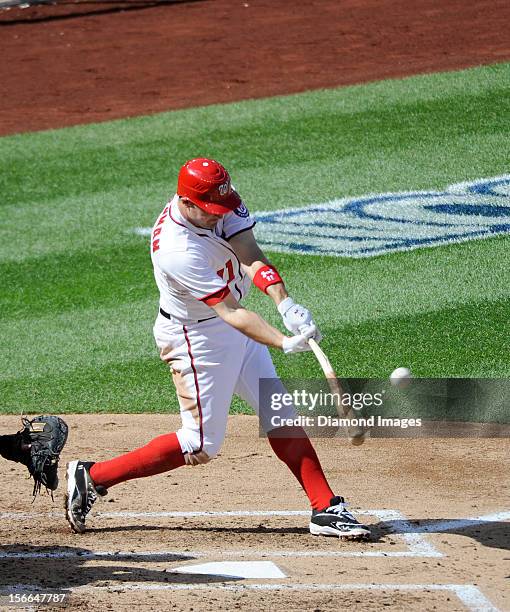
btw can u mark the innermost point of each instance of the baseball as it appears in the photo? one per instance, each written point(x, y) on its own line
point(401, 377)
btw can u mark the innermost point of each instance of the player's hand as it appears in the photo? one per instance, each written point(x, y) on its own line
point(297, 319)
point(311, 331)
point(299, 343)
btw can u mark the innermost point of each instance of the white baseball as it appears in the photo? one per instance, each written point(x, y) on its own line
point(400, 377)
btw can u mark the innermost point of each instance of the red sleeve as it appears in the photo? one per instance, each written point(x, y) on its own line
point(215, 298)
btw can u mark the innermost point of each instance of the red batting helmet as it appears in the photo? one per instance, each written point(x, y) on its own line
point(207, 184)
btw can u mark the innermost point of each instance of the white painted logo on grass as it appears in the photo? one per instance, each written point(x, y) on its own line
point(390, 222)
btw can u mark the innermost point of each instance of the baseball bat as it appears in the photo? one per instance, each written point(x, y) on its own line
point(356, 434)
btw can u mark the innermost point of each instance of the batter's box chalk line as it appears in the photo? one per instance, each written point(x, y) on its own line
point(417, 545)
point(469, 594)
point(412, 535)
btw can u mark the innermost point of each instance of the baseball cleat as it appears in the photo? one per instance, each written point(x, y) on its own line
point(336, 520)
point(81, 494)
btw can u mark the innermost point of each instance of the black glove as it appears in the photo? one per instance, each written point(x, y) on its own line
point(46, 436)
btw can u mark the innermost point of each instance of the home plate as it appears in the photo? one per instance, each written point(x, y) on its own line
point(234, 569)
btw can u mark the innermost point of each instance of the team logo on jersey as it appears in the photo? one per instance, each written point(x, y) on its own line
point(241, 211)
point(390, 222)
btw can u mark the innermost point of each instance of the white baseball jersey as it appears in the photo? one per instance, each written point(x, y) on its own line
point(194, 267)
point(209, 360)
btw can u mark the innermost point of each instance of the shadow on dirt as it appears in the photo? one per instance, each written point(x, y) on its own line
point(490, 534)
point(65, 567)
point(258, 529)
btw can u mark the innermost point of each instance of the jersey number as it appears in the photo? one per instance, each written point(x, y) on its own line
point(230, 272)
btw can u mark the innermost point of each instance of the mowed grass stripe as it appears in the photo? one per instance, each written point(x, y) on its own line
point(406, 285)
point(430, 342)
point(448, 342)
point(125, 385)
point(330, 133)
point(62, 341)
point(105, 167)
point(87, 281)
point(428, 165)
point(81, 280)
point(69, 225)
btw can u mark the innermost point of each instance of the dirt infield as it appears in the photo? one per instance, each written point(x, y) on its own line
point(87, 61)
point(127, 557)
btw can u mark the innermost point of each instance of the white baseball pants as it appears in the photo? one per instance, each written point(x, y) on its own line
point(210, 362)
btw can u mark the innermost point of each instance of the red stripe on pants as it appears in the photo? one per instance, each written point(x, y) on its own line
point(197, 388)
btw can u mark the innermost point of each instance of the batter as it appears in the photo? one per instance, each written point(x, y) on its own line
point(205, 259)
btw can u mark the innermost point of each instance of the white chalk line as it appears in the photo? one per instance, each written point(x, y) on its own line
point(416, 543)
point(180, 555)
point(469, 594)
point(412, 534)
point(446, 525)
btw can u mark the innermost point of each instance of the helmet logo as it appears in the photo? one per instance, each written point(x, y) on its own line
point(223, 189)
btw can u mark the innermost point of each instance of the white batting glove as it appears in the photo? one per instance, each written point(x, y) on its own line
point(297, 319)
point(311, 331)
point(299, 343)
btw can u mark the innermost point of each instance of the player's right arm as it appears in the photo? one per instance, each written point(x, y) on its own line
point(295, 317)
point(194, 273)
point(254, 326)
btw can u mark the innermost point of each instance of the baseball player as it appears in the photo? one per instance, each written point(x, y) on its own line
point(38, 446)
point(205, 258)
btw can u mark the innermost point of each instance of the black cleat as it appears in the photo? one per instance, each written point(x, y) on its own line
point(336, 520)
point(81, 494)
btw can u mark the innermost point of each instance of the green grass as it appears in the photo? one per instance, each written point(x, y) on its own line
point(78, 298)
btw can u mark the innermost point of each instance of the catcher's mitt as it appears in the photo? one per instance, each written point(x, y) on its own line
point(46, 436)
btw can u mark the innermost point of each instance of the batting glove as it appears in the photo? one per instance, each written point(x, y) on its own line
point(299, 343)
point(297, 319)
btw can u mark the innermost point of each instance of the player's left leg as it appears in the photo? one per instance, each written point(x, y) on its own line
point(292, 446)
